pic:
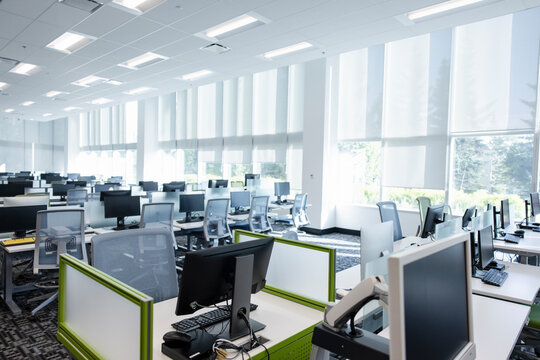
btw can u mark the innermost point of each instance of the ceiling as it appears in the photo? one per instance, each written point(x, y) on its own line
point(332, 26)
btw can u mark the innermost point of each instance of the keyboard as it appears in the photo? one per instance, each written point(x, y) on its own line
point(18, 241)
point(240, 212)
point(206, 319)
point(511, 238)
point(495, 277)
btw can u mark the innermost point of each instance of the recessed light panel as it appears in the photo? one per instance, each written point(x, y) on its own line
point(54, 93)
point(287, 50)
point(196, 75)
point(9, 110)
point(71, 108)
point(114, 82)
point(24, 69)
point(144, 60)
point(139, 90)
point(89, 80)
point(27, 103)
point(3, 85)
point(439, 8)
point(138, 6)
point(100, 101)
point(69, 42)
point(46, 114)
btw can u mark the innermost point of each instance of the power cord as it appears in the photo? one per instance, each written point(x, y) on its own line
point(254, 340)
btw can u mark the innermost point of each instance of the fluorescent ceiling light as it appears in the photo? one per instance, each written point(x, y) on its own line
point(24, 69)
point(114, 82)
point(139, 6)
point(3, 85)
point(439, 8)
point(100, 101)
point(70, 108)
point(9, 110)
point(47, 114)
point(27, 103)
point(196, 75)
point(89, 80)
point(54, 93)
point(69, 42)
point(288, 49)
point(230, 25)
point(143, 60)
point(139, 90)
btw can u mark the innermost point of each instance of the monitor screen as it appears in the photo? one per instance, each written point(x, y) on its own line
point(535, 204)
point(434, 215)
point(191, 202)
point(79, 183)
point(505, 214)
point(61, 189)
point(73, 176)
point(52, 177)
point(250, 177)
point(19, 219)
point(467, 217)
point(240, 199)
point(175, 186)
point(104, 194)
point(218, 183)
point(430, 301)
point(485, 244)
point(122, 206)
point(282, 188)
point(149, 185)
point(13, 189)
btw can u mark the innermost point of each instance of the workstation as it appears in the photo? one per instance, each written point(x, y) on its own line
point(363, 130)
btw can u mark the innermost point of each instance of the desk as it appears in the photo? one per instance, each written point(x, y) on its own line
point(527, 246)
point(520, 287)
point(8, 288)
point(284, 319)
point(496, 326)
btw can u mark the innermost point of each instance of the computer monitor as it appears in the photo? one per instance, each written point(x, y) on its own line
point(485, 247)
point(218, 183)
point(61, 189)
point(240, 199)
point(49, 178)
point(22, 177)
point(226, 272)
point(430, 301)
point(467, 216)
point(73, 176)
point(121, 206)
point(25, 172)
point(505, 214)
point(104, 194)
point(535, 204)
point(14, 189)
point(190, 203)
point(281, 189)
point(250, 177)
point(19, 219)
point(149, 185)
point(434, 215)
point(78, 183)
point(174, 186)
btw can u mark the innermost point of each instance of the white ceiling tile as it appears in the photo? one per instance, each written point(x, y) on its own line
point(18, 51)
point(27, 8)
point(11, 25)
point(3, 43)
point(120, 55)
point(214, 15)
point(113, 72)
point(160, 38)
point(92, 67)
point(181, 46)
point(275, 10)
point(45, 57)
point(163, 66)
point(39, 34)
point(97, 48)
point(67, 63)
point(174, 10)
point(63, 15)
point(133, 30)
point(105, 19)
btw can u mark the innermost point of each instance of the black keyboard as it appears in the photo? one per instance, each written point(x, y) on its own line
point(241, 212)
point(206, 319)
point(495, 277)
point(511, 238)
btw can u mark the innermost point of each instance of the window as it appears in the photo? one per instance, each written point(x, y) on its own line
point(131, 116)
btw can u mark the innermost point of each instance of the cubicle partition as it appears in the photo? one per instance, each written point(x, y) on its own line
point(313, 266)
point(101, 317)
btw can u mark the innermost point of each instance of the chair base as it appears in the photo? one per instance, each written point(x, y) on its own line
point(45, 303)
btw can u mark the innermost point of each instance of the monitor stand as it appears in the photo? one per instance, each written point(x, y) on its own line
point(120, 224)
point(19, 234)
point(188, 217)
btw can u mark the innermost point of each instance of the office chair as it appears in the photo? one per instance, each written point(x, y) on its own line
point(76, 197)
point(388, 212)
point(258, 215)
point(158, 215)
point(423, 203)
point(298, 216)
point(215, 227)
point(57, 232)
point(140, 258)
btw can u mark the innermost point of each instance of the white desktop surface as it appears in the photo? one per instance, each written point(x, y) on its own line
point(283, 319)
point(189, 225)
point(530, 244)
point(497, 325)
point(520, 286)
point(240, 217)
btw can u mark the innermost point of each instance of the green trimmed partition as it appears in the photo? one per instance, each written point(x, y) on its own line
point(100, 317)
point(313, 266)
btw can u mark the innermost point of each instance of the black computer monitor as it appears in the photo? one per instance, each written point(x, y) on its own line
point(78, 183)
point(104, 194)
point(485, 247)
point(49, 178)
point(19, 219)
point(505, 214)
point(14, 189)
point(25, 172)
point(62, 189)
point(226, 272)
point(190, 203)
point(149, 185)
point(22, 177)
point(281, 189)
point(240, 199)
point(221, 183)
point(467, 216)
point(174, 186)
point(535, 204)
point(250, 177)
point(434, 215)
point(121, 206)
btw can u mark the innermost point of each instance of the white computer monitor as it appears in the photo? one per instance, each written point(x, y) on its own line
point(27, 200)
point(430, 301)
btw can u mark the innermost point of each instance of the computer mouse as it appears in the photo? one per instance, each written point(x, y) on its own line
point(519, 232)
point(177, 338)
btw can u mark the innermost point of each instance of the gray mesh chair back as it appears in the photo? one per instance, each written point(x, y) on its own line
point(77, 197)
point(423, 204)
point(58, 232)
point(258, 214)
point(299, 215)
point(158, 215)
point(141, 258)
point(101, 187)
point(388, 212)
point(215, 225)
